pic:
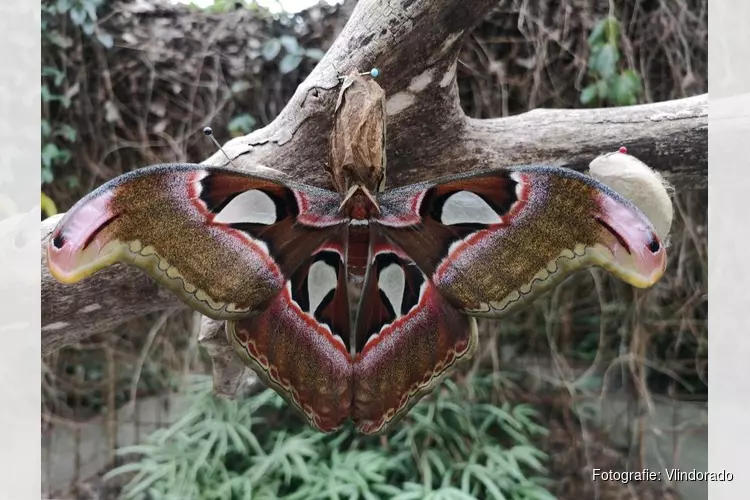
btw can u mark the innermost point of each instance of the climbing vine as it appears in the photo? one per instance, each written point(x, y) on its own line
point(62, 21)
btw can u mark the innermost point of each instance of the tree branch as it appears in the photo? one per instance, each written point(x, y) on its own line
point(415, 45)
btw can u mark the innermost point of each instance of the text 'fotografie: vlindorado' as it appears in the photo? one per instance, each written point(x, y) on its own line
point(672, 475)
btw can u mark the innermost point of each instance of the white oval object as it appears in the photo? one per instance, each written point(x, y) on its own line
point(636, 181)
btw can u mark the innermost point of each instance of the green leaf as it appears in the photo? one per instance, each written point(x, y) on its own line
point(105, 39)
point(289, 63)
point(67, 132)
point(291, 45)
point(593, 56)
point(241, 124)
point(606, 31)
point(635, 80)
point(123, 469)
point(409, 495)
point(57, 38)
point(89, 28)
point(605, 61)
point(47, 175)
point(271, 49)
point(77, 15)
point(626, 88)
point(386, 489)
point(63, 6)
point(597, 34)
point(58, 75)
point(90, 8)
point(613, 30)
point(315, 54)
point(49, 153)
point(602, 90)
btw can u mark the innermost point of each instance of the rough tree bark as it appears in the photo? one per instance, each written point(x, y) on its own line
point(415, 44)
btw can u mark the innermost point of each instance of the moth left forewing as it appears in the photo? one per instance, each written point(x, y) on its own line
point(222, 241)
point(299, 346)
point(407, 339)
point(494, 241)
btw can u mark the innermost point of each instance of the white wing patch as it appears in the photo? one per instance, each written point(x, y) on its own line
point(250, 207)
point(466, 207)
point(321, 279)
point(392, 282)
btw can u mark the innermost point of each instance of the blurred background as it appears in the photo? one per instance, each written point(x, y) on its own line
point(594, 375)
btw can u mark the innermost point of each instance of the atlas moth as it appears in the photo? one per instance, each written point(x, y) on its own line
point(275, 258)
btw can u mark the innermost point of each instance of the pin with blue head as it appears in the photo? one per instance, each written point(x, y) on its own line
point(373, 73)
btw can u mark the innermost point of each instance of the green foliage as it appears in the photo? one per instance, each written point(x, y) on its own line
point(609, 85)
point(83, 14)
point(293, 52)
point(293, 55)
point(241, 124)
point(223, 6)
point(57, 135)
point(452, 446)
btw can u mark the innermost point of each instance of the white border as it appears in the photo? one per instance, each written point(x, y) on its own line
point(20, 359)
point(729, 251)
point(729, 248)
